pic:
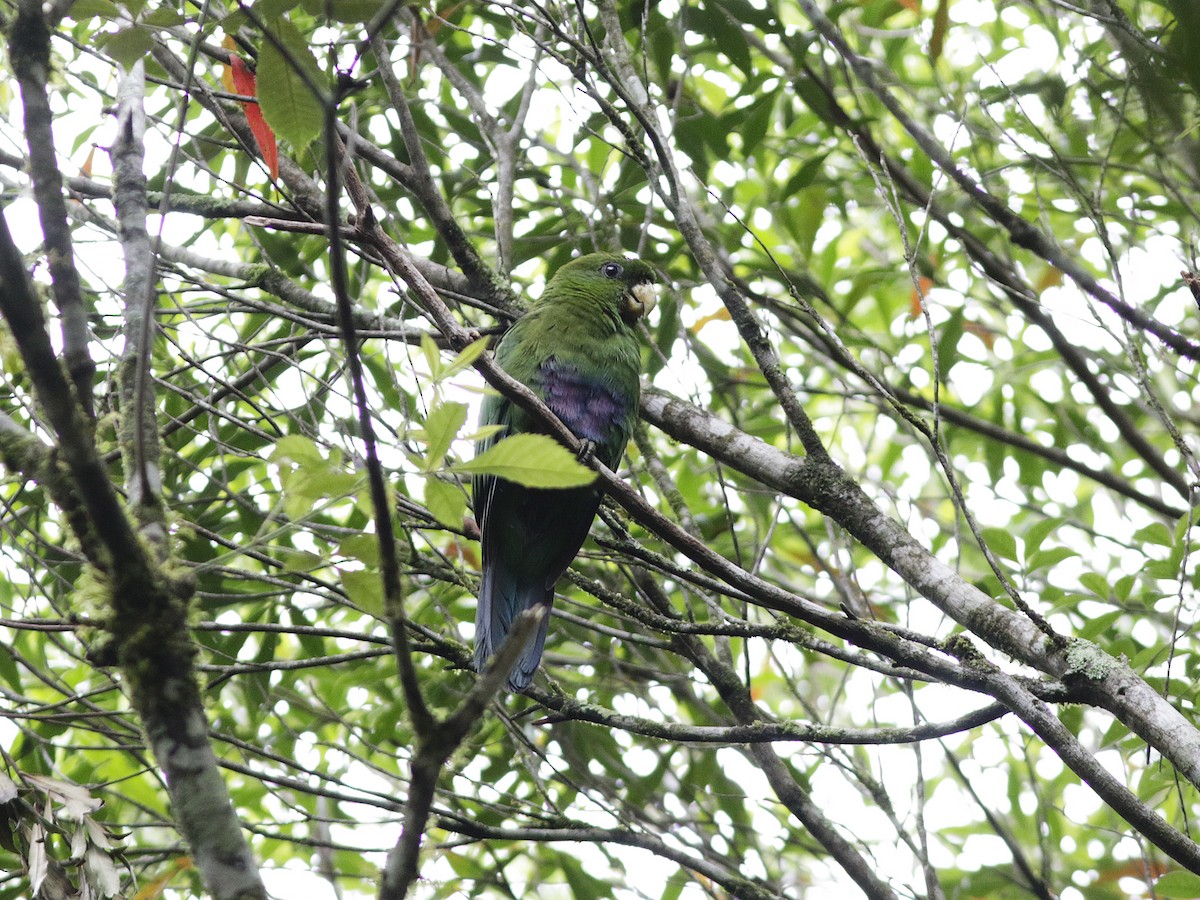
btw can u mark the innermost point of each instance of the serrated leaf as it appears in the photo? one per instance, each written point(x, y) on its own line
point(441, 427)
point(466, 356)
point(483, 432)
point(532, 460)
point(446, 502)
point(433, 356)
point(288, 104)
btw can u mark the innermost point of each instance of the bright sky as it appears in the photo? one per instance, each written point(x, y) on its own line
point(558, 112)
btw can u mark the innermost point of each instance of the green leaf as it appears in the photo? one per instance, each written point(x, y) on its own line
point(1097, 584)
point(363, 547)
point(350, 11)
point(805, 175)
point(730, 39)
point(1044, 559)
point(271, 10)
point(466, 356)
point(433, 356)
point(128, 45)
point(445, 501)
point(297, 448)
point(297, 560)
point(1155, 533)
point(1095, 627)
point(441, 427)
point(1001, 542)
point(1039, 531)
point(288, 103)
point(947, 345)
point(365, 589)
point(1178, 884)
point(86, 9)
point(8, 668)
point(1124, 586)
point(533, 460)
point(582, 883)
point(163, 18)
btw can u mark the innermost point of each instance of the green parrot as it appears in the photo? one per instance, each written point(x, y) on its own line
point(577, 349)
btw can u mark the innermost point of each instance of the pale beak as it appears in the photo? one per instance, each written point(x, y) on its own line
point(641, 299)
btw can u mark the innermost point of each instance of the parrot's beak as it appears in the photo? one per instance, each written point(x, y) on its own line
point(640, 301)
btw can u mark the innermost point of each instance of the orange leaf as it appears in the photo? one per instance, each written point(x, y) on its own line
point(227, 71)
point(982, 332)
point(1134, 868)
point(941, 24)
point(155, 889)
point(245, 85)
point(721, 315)
point(434, 25)
point(460, 550)
point(918, 296)
point(1050, 277)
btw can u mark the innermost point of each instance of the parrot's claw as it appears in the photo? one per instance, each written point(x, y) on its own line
point(587, 451)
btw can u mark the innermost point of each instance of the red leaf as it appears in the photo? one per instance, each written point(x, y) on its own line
point(244, 84)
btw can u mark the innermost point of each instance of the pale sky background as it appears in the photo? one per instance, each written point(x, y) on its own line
point(1156, 264)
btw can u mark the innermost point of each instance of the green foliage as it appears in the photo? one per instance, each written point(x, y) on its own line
point(533, 460)
point(288, 78)
point(951, 371)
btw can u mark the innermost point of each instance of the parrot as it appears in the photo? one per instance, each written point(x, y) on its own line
point(577, 349)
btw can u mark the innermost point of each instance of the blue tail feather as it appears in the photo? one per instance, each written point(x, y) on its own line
point(501, 599)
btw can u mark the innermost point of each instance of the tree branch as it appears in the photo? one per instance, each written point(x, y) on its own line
point(1022, 233)
point(149, 622)
point(140, 448)
point(30, 49)
point(1108, 682)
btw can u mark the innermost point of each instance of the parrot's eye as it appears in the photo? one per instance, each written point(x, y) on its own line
point(612, 270)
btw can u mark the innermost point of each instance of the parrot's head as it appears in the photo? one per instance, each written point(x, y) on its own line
point(623, 285)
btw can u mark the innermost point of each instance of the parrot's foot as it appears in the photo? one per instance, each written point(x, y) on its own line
point(587, 450)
